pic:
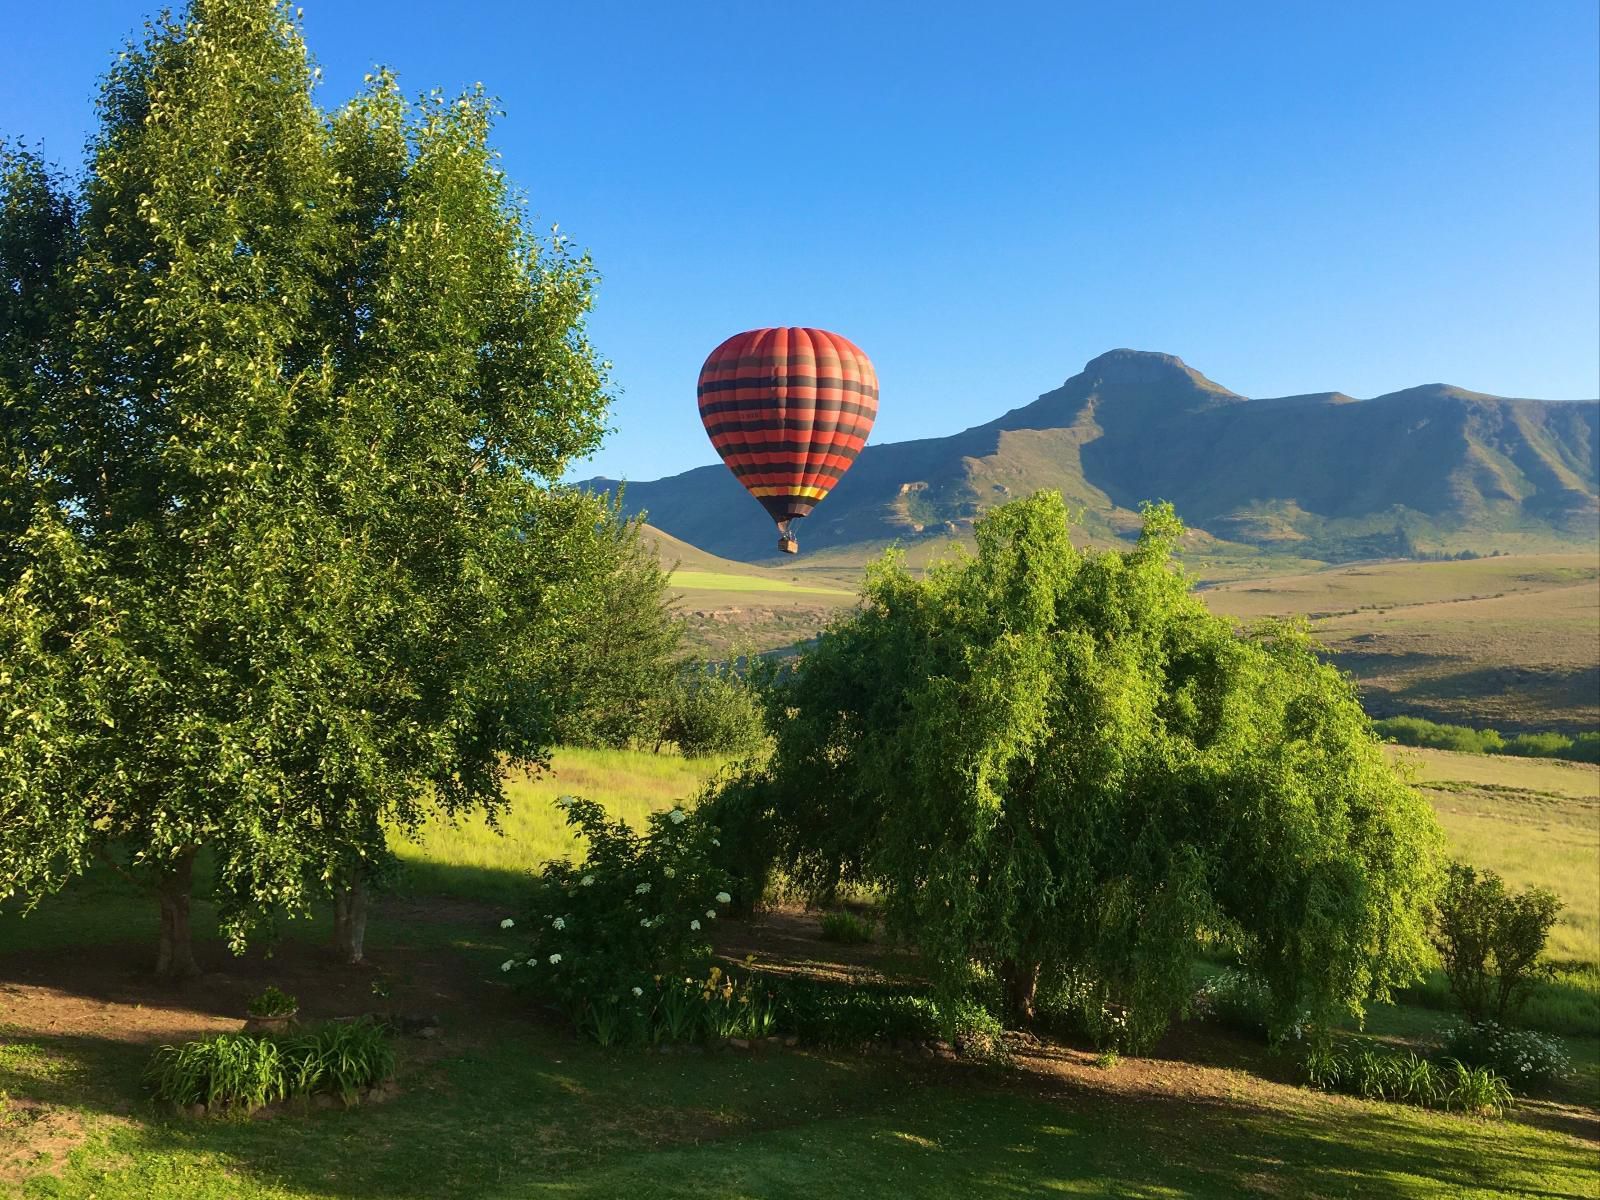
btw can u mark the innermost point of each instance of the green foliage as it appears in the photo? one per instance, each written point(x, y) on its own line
point(241, 1071)
point(1527, 1060)
point(615, 666)
point(284, 397)
point(273, 1003)
point(1377, 1074)
point(712, 709)
point(1239, 1000)
point(1490, 939)
point(1417, 731)
point(845, 928)
point(638, 909)
point(1059, 763)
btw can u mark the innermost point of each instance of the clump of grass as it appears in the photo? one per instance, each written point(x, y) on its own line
point(845, 928)
point(274, 1002)
point(239, 1071)
point(1407, 1078)
point(231, 1070)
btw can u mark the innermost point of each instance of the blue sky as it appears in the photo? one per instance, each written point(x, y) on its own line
point(1292, 197)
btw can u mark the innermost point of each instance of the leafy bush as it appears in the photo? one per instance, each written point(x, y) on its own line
point(1490, 939)
point(273, 1003)
point(845, 928)
point(1376, 1074)
point(636, 911)
point(1052, 761)
point(1235, 999)
point(1526, 1059)
point(711, 709)
point(243, 1071)
point(1241, 1000)
point(829, 1014)
point(1418, 731)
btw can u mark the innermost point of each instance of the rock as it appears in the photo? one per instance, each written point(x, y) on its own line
point(775, 1042)
point(664, 1048)
point(791, 1041)
point(324, 1100)
point(428, 1031)
point(739, 1043)
point(196, 1110)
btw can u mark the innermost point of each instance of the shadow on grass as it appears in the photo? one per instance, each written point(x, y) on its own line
point(529, 1114)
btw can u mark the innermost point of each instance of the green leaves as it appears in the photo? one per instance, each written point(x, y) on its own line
point(1060, 765)
point(284, 556)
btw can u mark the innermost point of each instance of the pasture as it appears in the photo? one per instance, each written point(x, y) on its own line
point(505, 1103)
point(1508, 642)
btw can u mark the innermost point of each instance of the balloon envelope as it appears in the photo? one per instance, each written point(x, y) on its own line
point(788, 410)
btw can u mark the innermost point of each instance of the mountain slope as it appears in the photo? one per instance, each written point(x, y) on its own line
point(1325, 475)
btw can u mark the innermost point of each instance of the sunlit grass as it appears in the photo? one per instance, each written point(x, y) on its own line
point(720, 581)
point(471, 858)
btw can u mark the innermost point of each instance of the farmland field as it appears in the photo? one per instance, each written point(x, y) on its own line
point(1510, 642)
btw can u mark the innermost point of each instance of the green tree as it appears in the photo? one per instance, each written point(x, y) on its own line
point(615, 665)
point(1490, 938)
point(1061, 767)
point(281, 430)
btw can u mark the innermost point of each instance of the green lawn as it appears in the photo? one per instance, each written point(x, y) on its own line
point(505, 1106)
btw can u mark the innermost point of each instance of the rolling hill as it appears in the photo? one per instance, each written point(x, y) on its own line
point(1319, 477)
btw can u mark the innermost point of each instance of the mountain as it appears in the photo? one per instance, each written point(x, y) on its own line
point(1321, 476)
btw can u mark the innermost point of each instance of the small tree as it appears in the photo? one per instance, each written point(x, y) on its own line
point(1060, 765)
point(1490, 938)
point(613, 664)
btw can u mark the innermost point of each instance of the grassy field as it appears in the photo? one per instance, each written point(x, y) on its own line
point(502, 1105)
point(1532, 820)
point(1510, 642)
point(470, 858)
point(721, 581)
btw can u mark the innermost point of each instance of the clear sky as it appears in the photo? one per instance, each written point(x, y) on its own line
point(1291, 196)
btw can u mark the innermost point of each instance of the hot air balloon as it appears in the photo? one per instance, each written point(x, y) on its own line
point(788, 410)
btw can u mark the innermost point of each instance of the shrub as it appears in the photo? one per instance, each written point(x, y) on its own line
point(1490, 939)
point(1051, 761)
point(1526, 1059)
point(273, 1003)
point(242, 1071)
point(845, 928)
point(638, 910)
point(1376, 1074)
point(1235, 999)
point(711, 709)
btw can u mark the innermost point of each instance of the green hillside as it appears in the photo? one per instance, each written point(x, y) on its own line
point(1320, 477)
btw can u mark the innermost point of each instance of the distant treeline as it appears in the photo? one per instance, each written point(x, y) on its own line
point(1415, 731)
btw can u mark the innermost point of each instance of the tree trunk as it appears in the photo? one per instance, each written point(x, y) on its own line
point(175, 953)
point(1021, 982)
point(350, 923)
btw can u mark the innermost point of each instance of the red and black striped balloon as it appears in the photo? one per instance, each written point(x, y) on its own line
point(788, 410)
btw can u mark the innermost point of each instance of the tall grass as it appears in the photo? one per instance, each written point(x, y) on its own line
point(473, 861)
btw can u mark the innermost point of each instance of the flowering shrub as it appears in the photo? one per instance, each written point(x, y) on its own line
point(1241, 1000)
point(1528, 1060)
point(603, 934)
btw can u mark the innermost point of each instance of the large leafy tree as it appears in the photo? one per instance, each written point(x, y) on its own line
point(1058, 765)
point(285, 396)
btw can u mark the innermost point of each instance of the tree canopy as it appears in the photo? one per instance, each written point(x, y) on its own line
point(284, 400)
point(1061, 767)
